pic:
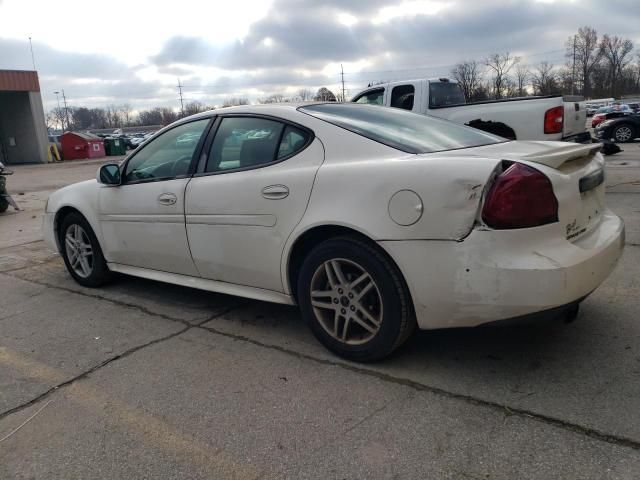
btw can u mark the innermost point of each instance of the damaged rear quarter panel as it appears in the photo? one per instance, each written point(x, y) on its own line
point(357, 193)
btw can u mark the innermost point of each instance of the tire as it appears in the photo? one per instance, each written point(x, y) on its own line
point(4, 204)
point(97, 273)
point(624, 133)
point(335, 314)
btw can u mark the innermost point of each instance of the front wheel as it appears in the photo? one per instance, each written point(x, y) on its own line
point(624, 133)
point(82, 253)
point(354, 299)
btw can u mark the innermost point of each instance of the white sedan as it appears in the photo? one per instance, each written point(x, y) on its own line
point(373, 220)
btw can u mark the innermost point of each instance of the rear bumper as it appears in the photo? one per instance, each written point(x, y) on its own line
point(496, 275)
point(583, 137)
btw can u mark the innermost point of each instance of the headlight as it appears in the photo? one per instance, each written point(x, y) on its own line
point(606, 123)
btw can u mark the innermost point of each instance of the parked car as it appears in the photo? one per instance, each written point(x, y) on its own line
point(605, 113)
point(591, 110)
point(635, 107)
point(622, 129)
point(528, 118)
point(373, 220)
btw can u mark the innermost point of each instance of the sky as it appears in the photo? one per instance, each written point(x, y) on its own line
point(135, 52)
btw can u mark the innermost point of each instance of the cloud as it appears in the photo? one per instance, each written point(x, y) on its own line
point(301, 43)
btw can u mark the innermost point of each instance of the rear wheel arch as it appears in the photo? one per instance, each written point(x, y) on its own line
point(309, 239)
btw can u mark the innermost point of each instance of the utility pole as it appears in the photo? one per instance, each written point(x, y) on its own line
point(573, 74)
point(181, 101)
point(33, 60)
point(59, 110)
point(66, 111)
point(342, 73)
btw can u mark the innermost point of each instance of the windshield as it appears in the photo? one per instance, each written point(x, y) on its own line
point(443, 94)
point(400, 129)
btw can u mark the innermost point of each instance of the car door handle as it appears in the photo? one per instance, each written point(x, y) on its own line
point(167, 199)
point(275, 192)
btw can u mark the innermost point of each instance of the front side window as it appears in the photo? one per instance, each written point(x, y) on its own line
point(374, 97)
point(168, 155)
point(405, 131)
point(402, 97)
point(245, 142)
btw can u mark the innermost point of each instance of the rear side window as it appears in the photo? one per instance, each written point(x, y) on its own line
point(402, 97)
point(374, 97)
point(293, 140)
point(443, 94)
point(405, 131)
point(246, 142)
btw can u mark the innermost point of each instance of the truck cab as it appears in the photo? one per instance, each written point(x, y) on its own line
point(525, 118)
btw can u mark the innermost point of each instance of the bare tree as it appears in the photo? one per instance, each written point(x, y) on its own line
point(522, 79)
point(113, 116)
point(126, 113)
point(340, 97)
point(59, 116)
point(500, 64)
point(235, 101)
point(544, 79)
point(587, 55)
point(274, 98)
point(324, 95)
point(469, 77)
point(194, 107)
point(616, 52)
point(305, 94)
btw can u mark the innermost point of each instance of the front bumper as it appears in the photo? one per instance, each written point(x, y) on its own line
point(49, 232)
point(603, 133)
point(495, 275)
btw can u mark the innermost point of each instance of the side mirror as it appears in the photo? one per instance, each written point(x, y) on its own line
point(109, 174)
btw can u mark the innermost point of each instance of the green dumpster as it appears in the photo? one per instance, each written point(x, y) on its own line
point(114, 146)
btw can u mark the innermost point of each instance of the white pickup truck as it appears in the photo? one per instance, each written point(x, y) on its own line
point(525, 118)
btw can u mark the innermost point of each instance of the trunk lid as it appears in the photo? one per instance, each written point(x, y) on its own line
point(575, 171)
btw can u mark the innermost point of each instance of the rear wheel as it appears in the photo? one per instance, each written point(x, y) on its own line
point(4, 204)
point(624, 133)
point(82, 253)
point(354, 299)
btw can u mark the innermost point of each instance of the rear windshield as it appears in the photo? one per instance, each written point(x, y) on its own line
point(443, 94)
point(406, 131)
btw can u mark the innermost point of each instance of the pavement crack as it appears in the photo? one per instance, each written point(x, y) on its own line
point(120, 303)
point(421, 387)
point(110, 360)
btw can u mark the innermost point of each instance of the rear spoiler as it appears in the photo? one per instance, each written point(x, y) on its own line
point(557, 156)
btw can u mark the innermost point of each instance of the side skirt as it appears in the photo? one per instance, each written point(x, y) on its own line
point(204, 284)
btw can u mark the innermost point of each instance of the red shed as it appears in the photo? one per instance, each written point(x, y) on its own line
point(76, 145)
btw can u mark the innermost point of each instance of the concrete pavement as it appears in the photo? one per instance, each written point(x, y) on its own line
point(145, 380)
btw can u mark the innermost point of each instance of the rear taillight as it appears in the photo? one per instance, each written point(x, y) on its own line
point(553, 120)
point(520, 197)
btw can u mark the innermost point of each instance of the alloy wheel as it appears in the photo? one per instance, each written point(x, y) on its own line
point(346, 301)
point(79, 250)
point(623, 134)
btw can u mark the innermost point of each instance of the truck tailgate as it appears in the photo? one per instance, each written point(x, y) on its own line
point(575, 118)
